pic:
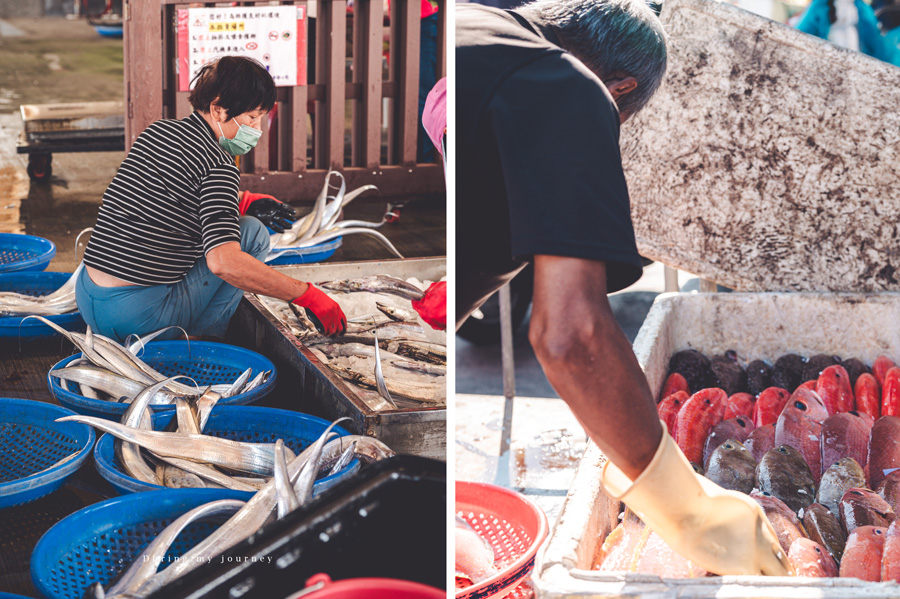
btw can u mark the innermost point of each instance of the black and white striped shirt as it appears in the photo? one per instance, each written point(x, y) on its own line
point(174, 198)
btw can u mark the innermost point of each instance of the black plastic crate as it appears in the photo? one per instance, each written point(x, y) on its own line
point(389, 521)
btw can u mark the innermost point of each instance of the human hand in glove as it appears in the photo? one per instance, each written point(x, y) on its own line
point(724, 532)
point(274, 214)
point(433, 306)
point(323, 311)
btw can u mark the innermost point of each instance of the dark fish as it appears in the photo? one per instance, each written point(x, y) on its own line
point(697, 468)
point(796, 428)
point(787, 527)
point(784, 474)
point(759, 377)
point(760, 440)
point(889, 490)
point(732, 466)
point(846, 435)
point(816, 364)
point(884, 449)
point(824, 528)
point(694, 367)
point(854, 368)
point(788, 372)
point(735, 428)
point(811, 560)
point(863, 553)
point(846, 474)
point(728, 374)
point(862, 507)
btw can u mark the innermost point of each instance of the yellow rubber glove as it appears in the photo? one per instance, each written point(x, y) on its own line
point(724, 532)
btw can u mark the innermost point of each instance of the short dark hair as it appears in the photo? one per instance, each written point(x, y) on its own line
point(241, 85)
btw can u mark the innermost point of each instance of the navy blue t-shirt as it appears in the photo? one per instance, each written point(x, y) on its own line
point(538, 164)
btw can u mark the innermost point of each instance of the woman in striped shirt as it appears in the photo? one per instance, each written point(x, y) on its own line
point(173, 244)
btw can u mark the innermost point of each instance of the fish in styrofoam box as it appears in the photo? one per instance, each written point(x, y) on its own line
point(759, 326)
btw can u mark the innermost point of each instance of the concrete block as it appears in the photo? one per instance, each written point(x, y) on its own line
point(769, 159)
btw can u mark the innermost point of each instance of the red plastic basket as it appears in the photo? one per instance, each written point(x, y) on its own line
point(367, 588)
point(513, 525)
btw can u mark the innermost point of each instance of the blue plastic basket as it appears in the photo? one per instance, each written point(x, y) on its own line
point(25, 252)
point(240, 423)
point(32, 444)
point(39, 284)
point(99, 542)
point(316, 253)
point(206, 362)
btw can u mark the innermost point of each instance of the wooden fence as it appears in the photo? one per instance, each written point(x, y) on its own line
point(356, 116)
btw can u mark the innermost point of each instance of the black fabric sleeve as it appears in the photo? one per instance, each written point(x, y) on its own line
point(557, 132)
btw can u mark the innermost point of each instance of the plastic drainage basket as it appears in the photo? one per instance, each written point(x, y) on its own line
point(33, 447)
point(38, 284)
point(513, 525)
point(239, 423)
point(25, 252)
point(206, 362)
point(385, 522)
point(316, 253)
point(97, 543)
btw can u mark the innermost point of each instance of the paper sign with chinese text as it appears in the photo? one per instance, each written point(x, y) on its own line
point(273, 35)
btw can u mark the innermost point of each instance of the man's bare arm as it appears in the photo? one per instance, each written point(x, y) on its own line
point(589, 361)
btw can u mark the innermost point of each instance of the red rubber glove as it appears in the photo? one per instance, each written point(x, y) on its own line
point(273, 213)
point(325, 313)
point(433, 307)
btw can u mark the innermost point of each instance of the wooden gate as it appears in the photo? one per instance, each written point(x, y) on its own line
point(359, 115)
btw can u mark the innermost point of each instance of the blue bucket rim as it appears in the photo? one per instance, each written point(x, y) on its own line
point(93, 515)
point(107, 407)
point(21, 485)
point(48, 248)
point(107, 469)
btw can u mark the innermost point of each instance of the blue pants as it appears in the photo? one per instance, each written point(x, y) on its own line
point(201, 303)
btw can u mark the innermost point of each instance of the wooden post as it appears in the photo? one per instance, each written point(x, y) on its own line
point(331, 50)
point(368, 32)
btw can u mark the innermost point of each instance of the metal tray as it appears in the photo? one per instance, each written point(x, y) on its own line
point(418, 431)
point(755, 325)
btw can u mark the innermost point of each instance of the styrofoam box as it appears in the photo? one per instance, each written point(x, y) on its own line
point(757, 326)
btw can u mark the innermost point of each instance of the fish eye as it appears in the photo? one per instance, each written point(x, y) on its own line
point(728, 446)
point(857, 492)
point(781, 449)
point(817, 550)
point(741, 421)
point(877, 531)
point(854, 412)
point(800, 405)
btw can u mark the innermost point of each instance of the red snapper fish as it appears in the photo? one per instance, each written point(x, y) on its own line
point(863, 554)
point(696, 419)
point(810, 559)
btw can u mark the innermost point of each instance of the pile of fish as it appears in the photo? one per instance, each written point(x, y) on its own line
point(388, 356)
point(322, 223)
point(60, 301)
point(816, 442)
point(113, 372)
point(287, 485)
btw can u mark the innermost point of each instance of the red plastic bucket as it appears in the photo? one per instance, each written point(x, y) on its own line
point(514, 526)
point(320, 586)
